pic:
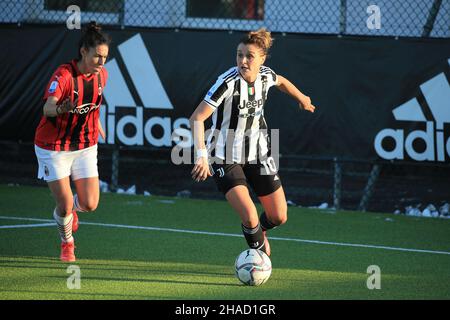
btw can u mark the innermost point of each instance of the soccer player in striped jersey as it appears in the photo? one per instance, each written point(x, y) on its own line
point(67, 135)
point(237, 152)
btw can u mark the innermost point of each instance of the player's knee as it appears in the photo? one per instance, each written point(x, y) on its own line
point(280, 217)
point(89, 205)
point(279, 220)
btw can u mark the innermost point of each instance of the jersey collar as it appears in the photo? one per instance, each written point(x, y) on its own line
point(75, 66)
point(258, 76)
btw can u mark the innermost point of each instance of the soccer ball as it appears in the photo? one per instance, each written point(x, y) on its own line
point(253, 267)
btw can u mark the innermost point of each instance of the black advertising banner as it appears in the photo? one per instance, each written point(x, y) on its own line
point(376, 97)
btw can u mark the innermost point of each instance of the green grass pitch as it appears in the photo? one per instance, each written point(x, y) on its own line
point(136, 247)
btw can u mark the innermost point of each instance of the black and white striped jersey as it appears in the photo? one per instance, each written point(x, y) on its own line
point(239, 132)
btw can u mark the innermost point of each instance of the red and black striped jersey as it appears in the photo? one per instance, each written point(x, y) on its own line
point(77, 129)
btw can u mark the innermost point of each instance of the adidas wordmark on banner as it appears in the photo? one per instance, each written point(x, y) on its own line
point(437, 95)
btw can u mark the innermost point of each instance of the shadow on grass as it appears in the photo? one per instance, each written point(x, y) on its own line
point(79, 294)
point(54, 263)
point(153, 281)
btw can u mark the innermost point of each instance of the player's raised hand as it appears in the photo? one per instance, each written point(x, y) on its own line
point(305, 104)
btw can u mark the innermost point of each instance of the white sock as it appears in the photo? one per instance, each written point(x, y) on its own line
point(64, 225)
point(76, 204)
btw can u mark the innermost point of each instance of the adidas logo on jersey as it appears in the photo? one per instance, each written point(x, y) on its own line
point(437, 95)
point(151, 92)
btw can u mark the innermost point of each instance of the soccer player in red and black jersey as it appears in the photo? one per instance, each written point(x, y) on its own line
point(67, 135)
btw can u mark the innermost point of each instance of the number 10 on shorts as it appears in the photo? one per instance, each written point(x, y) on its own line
point(270, 166)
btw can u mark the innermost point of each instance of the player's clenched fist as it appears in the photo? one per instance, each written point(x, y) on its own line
point(65, 106)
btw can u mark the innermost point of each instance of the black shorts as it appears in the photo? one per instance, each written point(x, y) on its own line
point(228, 176)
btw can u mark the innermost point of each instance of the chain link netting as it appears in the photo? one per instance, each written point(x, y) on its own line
point(412, 18)
point(309, 181)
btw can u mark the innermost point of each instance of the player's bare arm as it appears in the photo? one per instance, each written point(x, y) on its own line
point(100, 130)
point(201, 169)
point(304, 101)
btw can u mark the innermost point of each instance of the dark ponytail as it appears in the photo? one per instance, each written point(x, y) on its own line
point(92, 37)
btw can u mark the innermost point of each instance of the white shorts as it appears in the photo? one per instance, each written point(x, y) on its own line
point(55, 165)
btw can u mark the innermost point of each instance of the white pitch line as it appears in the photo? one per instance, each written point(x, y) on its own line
point(26, 219)
point(360, 245)
point(17, 226)
point(123, 226)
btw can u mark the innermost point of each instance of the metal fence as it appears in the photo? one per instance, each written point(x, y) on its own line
point(408, 18)
point(347, 184)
